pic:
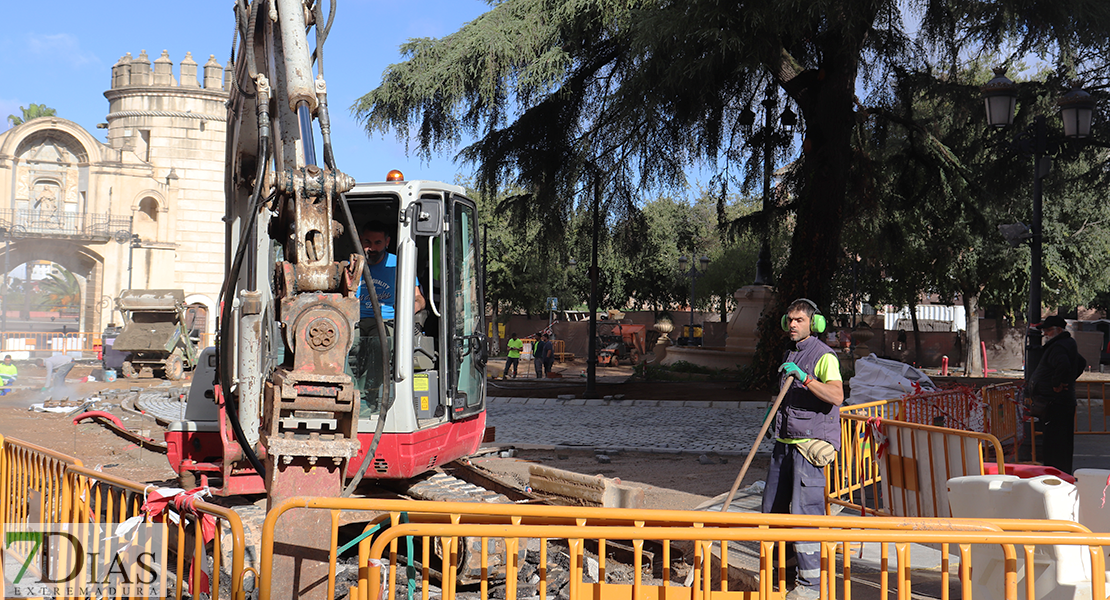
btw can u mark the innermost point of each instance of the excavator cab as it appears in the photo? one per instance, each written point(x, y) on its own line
point(429, 373)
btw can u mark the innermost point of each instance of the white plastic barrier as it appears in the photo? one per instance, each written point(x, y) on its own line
point(19, 348)
point(917, 464)
point(1094, 514)
point(1060, 572)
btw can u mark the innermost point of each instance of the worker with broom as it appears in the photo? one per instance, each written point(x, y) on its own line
point(807, 434)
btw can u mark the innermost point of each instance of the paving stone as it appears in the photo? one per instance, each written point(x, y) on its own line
point(632, 425)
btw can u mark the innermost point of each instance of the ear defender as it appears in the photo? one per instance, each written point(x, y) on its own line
point(817, 323)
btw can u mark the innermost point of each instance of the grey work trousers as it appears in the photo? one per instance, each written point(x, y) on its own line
point(797, 487)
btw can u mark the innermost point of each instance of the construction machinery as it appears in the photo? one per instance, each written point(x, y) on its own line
point(153, 336)
point(620, 341)
point(281, 404)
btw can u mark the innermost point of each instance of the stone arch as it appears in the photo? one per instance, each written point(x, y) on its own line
point(145, 222)
point(78, 259)
point(149, 215)
point(62, 132)
point(52, 159)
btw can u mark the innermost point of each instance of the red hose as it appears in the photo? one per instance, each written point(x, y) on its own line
point(98, 413)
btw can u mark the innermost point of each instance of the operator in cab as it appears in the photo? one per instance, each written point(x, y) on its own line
point(807, 435)
point(366, 349)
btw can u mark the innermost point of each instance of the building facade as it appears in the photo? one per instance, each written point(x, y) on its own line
point(143, 210)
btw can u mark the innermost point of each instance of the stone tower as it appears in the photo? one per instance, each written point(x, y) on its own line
point(178, 127)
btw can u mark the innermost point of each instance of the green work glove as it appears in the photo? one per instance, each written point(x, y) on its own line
point(793, 369)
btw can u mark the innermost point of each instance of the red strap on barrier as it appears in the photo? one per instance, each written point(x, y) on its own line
point(159, 500)
point(876, 435)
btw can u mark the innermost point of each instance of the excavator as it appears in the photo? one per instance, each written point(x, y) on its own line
point(303, 393)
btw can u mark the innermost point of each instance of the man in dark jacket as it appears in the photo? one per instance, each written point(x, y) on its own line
point(1054, 379)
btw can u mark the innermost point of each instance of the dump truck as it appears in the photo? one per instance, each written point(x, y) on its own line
point(153, 336)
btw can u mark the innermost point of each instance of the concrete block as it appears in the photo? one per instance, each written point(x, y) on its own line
point(596, 491)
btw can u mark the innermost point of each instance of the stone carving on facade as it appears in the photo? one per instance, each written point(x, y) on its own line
point(46, 202)
point(23, 183)
point(72, 196)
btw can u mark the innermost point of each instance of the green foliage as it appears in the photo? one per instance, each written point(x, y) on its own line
point(574, 102)
point(33, 111)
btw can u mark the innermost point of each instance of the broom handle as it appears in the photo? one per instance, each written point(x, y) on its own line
point(758, 439)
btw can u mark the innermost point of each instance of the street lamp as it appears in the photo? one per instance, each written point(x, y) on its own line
point(694, 274)
point(136, 242)
point(788, 120)
point(1076, 108)
point(4, 290)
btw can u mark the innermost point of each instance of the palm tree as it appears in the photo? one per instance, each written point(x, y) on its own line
point(33, 111)
point(59, 291)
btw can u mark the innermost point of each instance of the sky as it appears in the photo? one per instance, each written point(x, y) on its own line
point(61, 54)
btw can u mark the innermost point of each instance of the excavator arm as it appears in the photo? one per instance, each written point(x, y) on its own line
point(287, 306)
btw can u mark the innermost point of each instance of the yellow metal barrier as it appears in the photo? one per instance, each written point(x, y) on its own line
point(855, 470)
point(33, 483)
point(884, 409)
point(583, 585)
point(905, 464)
point(108, 500)
point(1096, 418)
point(38, 485)
point(671, 553)
point(1003, 402)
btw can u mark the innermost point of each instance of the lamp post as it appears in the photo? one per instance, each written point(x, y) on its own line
point(4, 289)
point(694, 274)
point(788, 120)
point(591, 345)
point(135, 243)
point(1076, 108)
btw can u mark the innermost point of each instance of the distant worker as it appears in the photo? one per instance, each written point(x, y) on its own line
point(366, 349)
point(807, 435)
point(8, 375)
point(547, 355)
point(57, 367)
point(537, 356)
point(515, 345)
point(1054, 380)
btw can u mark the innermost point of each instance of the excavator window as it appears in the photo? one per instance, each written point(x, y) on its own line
point(366, 359)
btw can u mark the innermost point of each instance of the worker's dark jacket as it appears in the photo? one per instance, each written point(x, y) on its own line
point(802, 414)
point(1061, 364)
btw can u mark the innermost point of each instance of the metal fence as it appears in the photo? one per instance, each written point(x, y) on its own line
point(903, 464)
point(56, 222)
point(1092, 416)
point(38, 485)
point(24, 345)
point(590, 553)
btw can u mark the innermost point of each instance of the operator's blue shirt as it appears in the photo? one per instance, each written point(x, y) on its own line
point(384, 274)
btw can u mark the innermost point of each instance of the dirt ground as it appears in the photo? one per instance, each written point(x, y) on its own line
point(677, 481)
point(669, 481)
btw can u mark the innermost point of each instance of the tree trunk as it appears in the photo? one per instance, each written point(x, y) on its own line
point(916, 334)
point(822, 189)
point(973, 365)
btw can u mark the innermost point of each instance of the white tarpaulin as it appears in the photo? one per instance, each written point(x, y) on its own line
point(882, 379)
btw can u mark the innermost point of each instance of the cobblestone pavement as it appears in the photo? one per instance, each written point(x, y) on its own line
point(728, 428)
